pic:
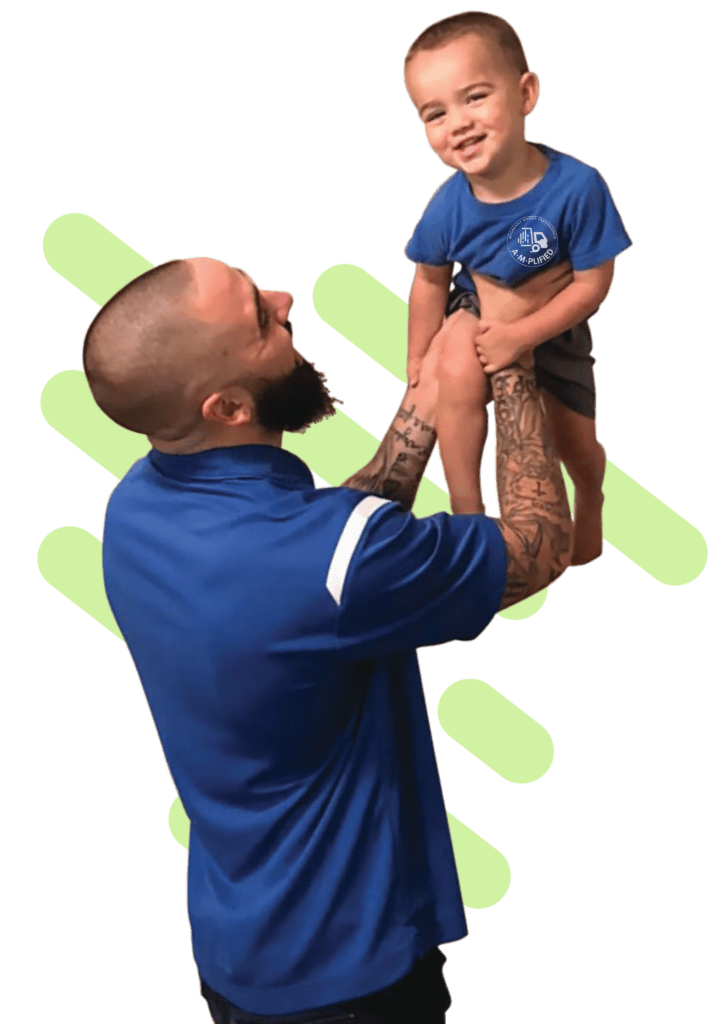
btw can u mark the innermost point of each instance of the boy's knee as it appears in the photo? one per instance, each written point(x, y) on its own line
point(465, 379)
point(459, 356)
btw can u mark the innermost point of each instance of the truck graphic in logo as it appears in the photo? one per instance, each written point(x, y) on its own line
point(532, 241)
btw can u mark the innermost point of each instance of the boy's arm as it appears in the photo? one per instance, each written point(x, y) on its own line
point(427, 303)
point(500, 344)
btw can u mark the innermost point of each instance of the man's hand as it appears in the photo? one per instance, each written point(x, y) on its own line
point(500, 344)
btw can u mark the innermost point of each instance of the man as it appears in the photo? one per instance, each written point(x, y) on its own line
point(274, 629)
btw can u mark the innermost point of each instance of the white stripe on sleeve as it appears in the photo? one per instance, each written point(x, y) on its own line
point(346, 546)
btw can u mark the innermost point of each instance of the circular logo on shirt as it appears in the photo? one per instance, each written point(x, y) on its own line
point(532, 241)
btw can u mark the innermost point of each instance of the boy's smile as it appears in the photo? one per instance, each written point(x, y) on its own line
point(473, 104)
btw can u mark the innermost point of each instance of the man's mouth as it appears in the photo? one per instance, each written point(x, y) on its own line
point(468, 144)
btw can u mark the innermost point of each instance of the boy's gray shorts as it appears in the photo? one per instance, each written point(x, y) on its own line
point(563, 365)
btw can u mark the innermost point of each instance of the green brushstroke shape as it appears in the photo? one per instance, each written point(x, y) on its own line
point(69, 407)
point(89, 256)
point(484, 874)
point(179, 824)
point(69, 559)
point(524, 609)
point(366, 313)
point(495, 730)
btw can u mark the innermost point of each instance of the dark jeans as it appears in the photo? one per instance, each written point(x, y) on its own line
point(420, 997)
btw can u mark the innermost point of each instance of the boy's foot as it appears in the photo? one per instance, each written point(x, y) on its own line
point(588, 538)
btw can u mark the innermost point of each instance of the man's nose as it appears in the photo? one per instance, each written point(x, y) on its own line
point(282, 303)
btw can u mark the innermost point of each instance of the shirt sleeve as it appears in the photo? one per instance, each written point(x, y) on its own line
point(429, 243)
point(598, 233)
point(419, 582)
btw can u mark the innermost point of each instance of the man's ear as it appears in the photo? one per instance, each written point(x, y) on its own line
point(231, 408)
point(529, 91)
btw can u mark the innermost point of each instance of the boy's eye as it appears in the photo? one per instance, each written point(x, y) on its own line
point(434, 116)
point(478, 96)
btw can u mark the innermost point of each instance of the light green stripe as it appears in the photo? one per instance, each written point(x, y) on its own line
point(366, 313)
point(653, 536)
point(524, 609)
point(484, 874)
point(69, 408)
point(91, 257)
point(70, 559)
point(179, 824)
point(495, 730)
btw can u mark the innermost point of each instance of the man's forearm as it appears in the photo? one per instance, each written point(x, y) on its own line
point(398, 466)
point(534, 511)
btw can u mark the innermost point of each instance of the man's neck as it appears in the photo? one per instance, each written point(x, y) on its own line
point(231, 437)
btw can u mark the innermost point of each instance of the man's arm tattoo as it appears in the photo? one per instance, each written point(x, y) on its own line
point(399, 463)
point(534, 512)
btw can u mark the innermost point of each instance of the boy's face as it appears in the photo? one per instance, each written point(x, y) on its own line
point(472, 103)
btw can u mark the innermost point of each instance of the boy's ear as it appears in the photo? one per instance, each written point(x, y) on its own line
point(529, 92)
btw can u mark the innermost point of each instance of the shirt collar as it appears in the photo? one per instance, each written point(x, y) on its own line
point(247, 461)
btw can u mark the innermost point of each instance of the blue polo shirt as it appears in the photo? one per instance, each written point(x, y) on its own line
point(274, 629)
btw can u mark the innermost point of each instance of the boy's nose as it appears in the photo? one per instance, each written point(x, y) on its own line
point(460, 119)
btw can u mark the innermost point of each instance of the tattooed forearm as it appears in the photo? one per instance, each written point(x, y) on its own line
point(534, 512)
point(398, 466)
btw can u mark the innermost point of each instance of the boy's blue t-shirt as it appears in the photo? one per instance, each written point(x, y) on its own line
point(568, 215)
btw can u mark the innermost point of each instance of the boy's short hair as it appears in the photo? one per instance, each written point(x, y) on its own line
point(487, 26)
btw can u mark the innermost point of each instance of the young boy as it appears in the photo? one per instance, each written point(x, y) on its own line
point(512, 209)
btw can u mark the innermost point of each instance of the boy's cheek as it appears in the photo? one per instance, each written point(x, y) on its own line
point(436, 143)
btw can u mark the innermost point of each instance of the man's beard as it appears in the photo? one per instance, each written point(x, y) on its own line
point(293, 403)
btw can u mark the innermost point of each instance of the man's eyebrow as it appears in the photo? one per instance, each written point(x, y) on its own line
point(257, 299)
point(260, 313)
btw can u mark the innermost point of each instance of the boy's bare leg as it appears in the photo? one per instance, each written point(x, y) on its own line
point(461, 412)
point(584, 459)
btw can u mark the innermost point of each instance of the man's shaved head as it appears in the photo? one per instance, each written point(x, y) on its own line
point(192, 347)
point(139, 349)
